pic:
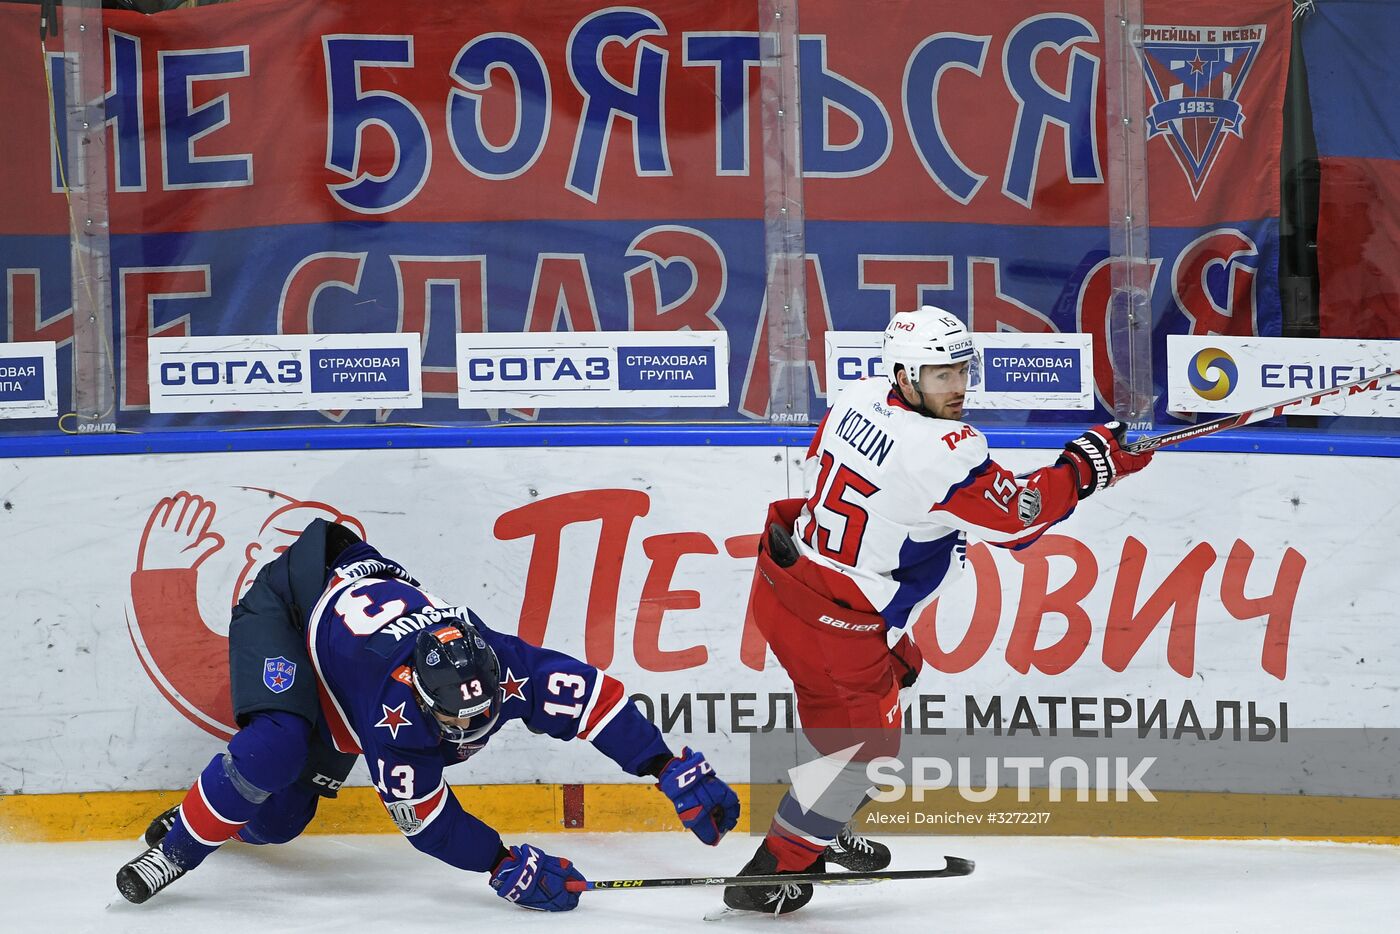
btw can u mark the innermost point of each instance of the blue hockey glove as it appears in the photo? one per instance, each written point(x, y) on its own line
point(704, 803)
point(531, 878)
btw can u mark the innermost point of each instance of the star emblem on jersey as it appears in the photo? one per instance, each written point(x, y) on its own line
point(393, 719)
point(511, 686)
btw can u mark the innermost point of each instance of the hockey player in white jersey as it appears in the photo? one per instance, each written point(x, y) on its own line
point(895, 484)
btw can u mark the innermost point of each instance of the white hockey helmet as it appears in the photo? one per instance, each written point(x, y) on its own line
point(928, 337)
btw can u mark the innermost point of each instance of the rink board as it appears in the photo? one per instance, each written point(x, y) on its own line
point(1272, 577)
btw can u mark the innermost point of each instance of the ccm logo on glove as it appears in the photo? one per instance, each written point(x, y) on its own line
point(525, 877)
point(531, 878)
point(704, 803)
point(689, 775)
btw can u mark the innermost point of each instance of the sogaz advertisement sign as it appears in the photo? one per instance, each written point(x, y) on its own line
point(603, 369)
point(1015, 371)
point(28, 383)
point(286, 372)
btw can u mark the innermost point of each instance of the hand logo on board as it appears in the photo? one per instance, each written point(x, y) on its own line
point(182, 552)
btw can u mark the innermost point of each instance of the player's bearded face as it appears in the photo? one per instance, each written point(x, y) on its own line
point(944, 389)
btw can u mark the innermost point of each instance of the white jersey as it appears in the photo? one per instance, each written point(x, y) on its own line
point(891, 496)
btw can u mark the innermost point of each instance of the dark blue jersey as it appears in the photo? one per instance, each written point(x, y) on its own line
point(361, 647)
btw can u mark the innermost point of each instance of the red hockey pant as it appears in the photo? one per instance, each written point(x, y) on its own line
point(841, 667)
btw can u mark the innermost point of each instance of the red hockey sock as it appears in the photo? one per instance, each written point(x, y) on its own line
point(794, 854)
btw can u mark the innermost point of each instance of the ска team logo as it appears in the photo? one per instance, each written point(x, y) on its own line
point(1212, 373)
point(279, 674)
point(1194, 74)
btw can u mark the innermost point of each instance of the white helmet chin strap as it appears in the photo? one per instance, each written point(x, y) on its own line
point(458, 734)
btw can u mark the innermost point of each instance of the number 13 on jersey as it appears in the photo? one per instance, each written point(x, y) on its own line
point(559, 683)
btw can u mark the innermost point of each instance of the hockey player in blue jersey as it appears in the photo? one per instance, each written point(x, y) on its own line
point(337, 652)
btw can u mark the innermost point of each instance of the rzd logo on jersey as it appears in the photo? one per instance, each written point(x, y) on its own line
point(1195, 74)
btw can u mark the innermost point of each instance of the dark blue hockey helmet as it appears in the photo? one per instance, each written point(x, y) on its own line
point(457, 679)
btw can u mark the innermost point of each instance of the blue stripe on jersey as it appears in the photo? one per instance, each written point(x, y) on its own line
point(922, 567)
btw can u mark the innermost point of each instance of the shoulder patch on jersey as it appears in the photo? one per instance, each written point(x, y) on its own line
point(953, 438)
point(394, 719)
point(1028, 506)
point(405, 816)
point(466, 750)
point(279, 674)
point(511, 686)
point(403, 674)
point(957, 449)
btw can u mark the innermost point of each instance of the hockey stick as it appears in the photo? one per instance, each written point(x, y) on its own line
point(1355, 387)
point(956, 867)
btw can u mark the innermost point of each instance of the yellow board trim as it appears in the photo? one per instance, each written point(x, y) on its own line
point(631, 808)
point(511, 809)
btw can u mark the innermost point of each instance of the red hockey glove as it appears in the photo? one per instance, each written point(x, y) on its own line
point(1099, 459)
point(908, 662)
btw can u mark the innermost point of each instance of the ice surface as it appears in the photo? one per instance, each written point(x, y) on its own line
point(343, 883)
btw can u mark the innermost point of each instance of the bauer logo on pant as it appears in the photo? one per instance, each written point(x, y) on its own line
point(279, 674)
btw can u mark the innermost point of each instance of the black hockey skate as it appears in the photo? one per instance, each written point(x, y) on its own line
point(769, 899)
point(146, 875)
point(857, 854)
point(161, 826)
